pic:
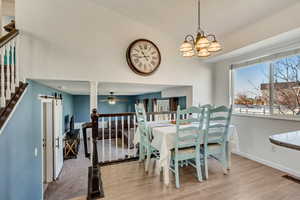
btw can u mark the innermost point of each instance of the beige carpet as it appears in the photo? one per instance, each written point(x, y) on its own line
point(74, 176)
point(72, 181)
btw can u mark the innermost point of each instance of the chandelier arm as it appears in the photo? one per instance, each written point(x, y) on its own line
point(190, 38)
point(211, 35)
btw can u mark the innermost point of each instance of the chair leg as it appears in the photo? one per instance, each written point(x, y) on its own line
point(141, 153)
point(177, 174)
point(228, 155)
point(224, 161)
point(147, 160)
point(198, 165)
point(205, 165)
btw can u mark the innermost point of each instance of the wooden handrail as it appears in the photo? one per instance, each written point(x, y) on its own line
point(11, 26)
point(8, 37)
point(133, 113)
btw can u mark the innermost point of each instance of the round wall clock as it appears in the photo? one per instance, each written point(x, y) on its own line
point(143, 57)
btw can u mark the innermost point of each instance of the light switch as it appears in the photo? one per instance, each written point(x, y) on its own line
point(35, 152)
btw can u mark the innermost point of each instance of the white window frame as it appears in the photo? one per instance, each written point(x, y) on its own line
point(266, 59)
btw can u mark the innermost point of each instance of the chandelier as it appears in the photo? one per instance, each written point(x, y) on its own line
point(203, 46)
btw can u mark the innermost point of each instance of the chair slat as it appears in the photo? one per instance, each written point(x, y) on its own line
point(219, 118)
point(189, 128)
point(182, 146)
point(187, 137)
point(219, 109)
point(217, 126)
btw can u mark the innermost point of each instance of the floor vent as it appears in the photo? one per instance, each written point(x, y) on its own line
point(291, 178)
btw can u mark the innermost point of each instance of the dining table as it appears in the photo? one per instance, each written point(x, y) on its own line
point(289, 140)
point(163, 134)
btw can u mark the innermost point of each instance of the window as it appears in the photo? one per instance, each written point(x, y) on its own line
point(268, 88)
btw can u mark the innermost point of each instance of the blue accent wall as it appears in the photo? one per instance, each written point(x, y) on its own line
point(68, 101)
point(125, 105)
point(20, 170)
point(82, 106)
point(154, 95)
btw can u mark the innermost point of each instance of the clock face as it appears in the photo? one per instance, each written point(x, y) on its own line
point(143, 57)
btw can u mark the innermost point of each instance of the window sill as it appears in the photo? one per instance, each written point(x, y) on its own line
point(275, 117)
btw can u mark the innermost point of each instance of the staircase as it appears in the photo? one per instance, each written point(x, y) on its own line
point(11, 88)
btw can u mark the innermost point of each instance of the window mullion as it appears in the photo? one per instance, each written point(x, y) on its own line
point(271, 88)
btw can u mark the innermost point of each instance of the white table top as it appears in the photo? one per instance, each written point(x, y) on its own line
point(289, 140)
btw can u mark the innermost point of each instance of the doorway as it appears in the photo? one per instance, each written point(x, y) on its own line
point(52, 139)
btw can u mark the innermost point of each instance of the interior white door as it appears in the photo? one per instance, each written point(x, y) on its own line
point(48, 141)
point(58, 137)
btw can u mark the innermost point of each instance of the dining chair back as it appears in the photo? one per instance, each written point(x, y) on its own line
point(187, 141)
point(145, 148)
point(143, 130)
point(216, 135)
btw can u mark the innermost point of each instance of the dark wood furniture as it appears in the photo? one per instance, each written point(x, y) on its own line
point(95, 186)
point(72, 143)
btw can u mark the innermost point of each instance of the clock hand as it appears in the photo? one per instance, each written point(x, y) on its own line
point(138, 56)
point(145, 56)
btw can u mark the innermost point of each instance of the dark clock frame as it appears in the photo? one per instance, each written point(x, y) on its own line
point(129, 61)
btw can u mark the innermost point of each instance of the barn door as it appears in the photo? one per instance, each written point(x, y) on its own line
point(48, 158)
point(58, 137)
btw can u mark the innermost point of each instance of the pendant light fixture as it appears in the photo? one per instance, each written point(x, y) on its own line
point(204, 44)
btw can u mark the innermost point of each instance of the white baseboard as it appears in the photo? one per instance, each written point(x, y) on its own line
point(268, 163)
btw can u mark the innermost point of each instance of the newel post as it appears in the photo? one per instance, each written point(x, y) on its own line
point(94, 117)
point(95, 188)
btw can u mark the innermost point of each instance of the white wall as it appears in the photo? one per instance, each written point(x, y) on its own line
point(254, 142)
point(254, 132)
point(80, 40)
point(8, 8)
point(180, 91)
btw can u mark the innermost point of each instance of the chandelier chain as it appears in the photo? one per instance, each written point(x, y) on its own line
point(199, 29)
point(202, 45)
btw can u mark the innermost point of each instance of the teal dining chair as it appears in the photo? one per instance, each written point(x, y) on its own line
point(146, 150)
point(216, 129)
point(187, 141)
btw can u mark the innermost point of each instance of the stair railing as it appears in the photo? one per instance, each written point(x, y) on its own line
point(9, 68)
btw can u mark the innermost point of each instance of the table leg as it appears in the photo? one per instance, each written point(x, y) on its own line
point(166, 170)
point(166, 175)
point(157, 168)
point(228, 153)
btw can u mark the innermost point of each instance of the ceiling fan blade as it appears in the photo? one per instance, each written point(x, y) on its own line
point(122, 100)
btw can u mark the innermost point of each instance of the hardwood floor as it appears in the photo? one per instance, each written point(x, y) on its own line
point(247, 180)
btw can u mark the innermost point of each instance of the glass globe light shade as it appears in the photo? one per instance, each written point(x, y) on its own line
point(112, 101)
point(203, 53)
point(214, 46)
point(188, 53)
point(186, 47)
point(202, 42)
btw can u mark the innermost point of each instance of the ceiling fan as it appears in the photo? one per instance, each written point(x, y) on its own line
point(112, 99)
